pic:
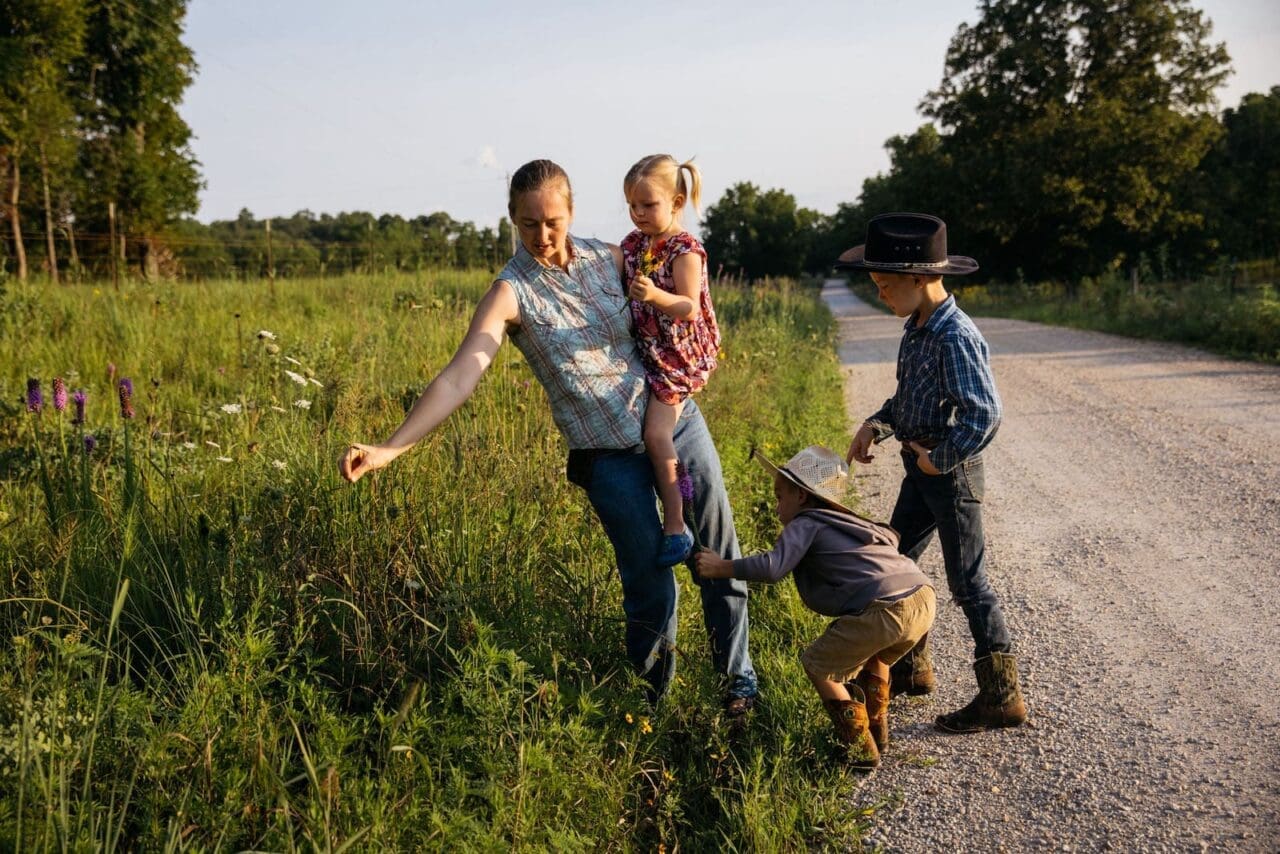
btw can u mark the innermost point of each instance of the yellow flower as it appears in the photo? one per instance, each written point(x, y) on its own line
point(629, 719)
point(645, 729)
point(648, 263)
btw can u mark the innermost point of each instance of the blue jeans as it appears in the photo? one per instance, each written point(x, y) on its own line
point(951, 504)
point(620, 487)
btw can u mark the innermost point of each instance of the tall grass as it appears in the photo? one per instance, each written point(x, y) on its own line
point(208, 641)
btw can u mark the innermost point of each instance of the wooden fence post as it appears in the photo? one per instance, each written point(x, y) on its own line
point(111, 245)
point(271, 264)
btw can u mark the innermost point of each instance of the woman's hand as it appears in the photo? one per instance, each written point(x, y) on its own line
point(358, 460)
point(922, 458)
point(711, 565)
point(641, 289)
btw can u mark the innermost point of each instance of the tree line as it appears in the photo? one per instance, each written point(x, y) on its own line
point(98, 173)
point(307, 244)
point(1068, 139)
point(93, 152)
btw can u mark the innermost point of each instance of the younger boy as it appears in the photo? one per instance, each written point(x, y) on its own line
point(849, 568)
point(944, 411)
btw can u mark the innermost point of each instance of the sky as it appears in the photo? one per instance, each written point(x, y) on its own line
point(396, 106)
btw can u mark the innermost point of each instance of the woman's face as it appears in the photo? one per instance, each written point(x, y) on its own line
point(542, 220)
point(653, 208)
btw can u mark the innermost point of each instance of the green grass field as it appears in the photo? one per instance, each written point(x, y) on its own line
point(208, 641)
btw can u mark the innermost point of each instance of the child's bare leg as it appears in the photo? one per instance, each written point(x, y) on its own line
point(659, 432)
point(828, 689)
point(877, 668)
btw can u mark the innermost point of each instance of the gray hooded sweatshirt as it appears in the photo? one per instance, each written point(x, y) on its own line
point(841, 562)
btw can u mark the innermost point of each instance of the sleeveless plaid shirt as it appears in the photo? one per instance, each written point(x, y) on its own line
point(575, 335)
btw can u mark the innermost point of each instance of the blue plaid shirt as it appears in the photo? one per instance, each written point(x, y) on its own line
point(946, 396)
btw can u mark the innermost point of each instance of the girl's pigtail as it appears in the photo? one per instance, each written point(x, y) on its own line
point(695, 183)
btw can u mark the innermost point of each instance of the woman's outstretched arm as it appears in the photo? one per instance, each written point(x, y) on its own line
point(450, 388)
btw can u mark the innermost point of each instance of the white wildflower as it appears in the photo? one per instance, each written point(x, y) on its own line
point(266, 335)
point(280, 464)
point(302, 404)
point(297, 378)
point(231, 408)
point(190, 446)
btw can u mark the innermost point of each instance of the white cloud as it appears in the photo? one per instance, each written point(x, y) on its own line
point(488, 158)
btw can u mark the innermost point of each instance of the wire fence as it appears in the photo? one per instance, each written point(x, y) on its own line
point(87, 256)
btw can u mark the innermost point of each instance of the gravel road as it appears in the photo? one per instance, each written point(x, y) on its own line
point(1133, 536)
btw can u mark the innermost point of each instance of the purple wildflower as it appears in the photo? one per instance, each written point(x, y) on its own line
point(126, 398)
point(35, 400)
point(90, 443)
point(684, 481)
point(79, 398)
point(59, 394)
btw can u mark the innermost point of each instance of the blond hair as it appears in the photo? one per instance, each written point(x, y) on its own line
point(665, 169)
point(535, 175)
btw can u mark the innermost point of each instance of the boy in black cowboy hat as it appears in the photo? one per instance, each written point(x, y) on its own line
point(849, 568)
point(944, 412)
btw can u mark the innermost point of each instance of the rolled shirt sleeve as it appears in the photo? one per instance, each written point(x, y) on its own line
point(882, 422)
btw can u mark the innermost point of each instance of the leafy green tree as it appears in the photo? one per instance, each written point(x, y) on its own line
point(136, 147)
point(759, 233)
point(1071, 125)
point(38, 41)
point(1241, 178)
point(919, 179)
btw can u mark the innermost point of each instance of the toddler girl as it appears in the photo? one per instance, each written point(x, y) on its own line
point(674, 323)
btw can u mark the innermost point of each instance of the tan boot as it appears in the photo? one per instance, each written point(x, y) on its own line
point(999, 701)
point(913, 673)
point(850, 719)
point(876, 691)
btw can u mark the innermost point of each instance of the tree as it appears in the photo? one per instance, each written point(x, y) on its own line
point(758, 233)
point(1241, 178)
point(1071, 125)
point(136, 147)
point(38, 41)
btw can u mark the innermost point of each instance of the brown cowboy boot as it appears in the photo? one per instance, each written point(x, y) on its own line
point(999, 701)
point(850, 719)
point(876, 691)
point(913, 673)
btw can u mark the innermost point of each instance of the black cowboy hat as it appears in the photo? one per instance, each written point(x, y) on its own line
point(906, 243)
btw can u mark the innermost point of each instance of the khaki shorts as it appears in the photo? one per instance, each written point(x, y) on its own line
point(887, 630)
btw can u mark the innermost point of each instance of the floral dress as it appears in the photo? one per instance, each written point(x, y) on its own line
point(678, 355)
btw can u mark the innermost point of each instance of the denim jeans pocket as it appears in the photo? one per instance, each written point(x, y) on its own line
point(971, 475)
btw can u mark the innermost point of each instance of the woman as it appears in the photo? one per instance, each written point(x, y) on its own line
point(562, 301)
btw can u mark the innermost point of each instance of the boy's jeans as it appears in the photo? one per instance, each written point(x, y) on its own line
point(951, 504)
point(620, 487)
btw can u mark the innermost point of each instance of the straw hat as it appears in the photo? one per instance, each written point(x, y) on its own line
point(817, 470)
